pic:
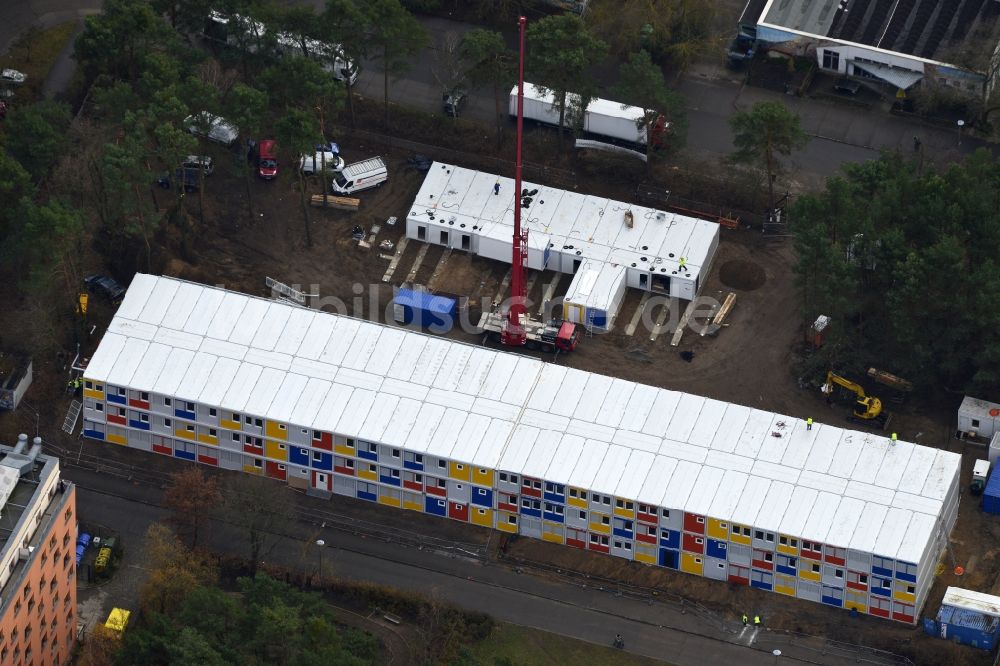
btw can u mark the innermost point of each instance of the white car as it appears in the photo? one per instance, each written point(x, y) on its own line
point(219, 130)
point(326, 154)
point(203, 162)
point(12, 77)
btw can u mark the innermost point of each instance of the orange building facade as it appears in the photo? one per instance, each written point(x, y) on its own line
point(38, 532)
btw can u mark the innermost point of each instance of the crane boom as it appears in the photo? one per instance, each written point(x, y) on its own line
point(513, 330)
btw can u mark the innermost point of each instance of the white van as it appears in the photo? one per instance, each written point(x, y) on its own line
point(360, 176)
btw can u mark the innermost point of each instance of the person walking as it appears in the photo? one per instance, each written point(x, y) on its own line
point(809, 423)
point(756, 620)
point(746, 620)
point(683, 262)
point(894, 439)
point(496, 188)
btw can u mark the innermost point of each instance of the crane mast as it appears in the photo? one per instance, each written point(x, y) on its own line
point(513, 327)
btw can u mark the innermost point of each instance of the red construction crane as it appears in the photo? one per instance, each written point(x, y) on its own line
point(513, 326)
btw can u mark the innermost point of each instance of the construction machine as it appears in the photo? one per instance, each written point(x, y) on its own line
point(556, 334)
point(867, 408)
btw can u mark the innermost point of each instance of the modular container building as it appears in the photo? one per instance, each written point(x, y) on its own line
point(412, 307)
point(991, 494)
point(336, 405)
point(967, 617)
point(602, 117)
point(595, 295)
point(979, 417)
point(463, 209)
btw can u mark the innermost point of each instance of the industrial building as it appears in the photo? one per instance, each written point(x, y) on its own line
point(38, 559)
point(336, 405)
point(607, 244)
point(897, 44)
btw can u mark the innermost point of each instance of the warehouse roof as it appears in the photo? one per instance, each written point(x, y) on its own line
point(566, 222)
point(921, 28)
point(499, 410)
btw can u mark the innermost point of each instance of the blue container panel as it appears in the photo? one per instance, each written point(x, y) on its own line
point(419, 308)
point(415, 466)
point(991, 495)
point(325, 461)
point(368, 455)
point(482, 497)
point(880, 571)
point(93, 434)
point(715, 548)
point(184, 414)
point(366, 496)
point(761, 585)
point(790, 571)
point(554, 498)
point(120, 399)
point(533, 513)
point(668, 558)
point(435, 506)
point(833, 601)
point(672, 540)
point(968, 627)
point(299, 456)
point(902, 575)
point(879, 590)
point(186, 455)
point(553, 517)
point(623, 533)
point(389, 481)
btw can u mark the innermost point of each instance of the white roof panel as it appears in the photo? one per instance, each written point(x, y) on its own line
point(401, 423)
point(758, 426)
point(493, 444)
point(287, 397)
point(310, 401)
point(636, 471)
point(728, 496)
point(540, 457)
point(797, 513)
point(753, 496)
point(662, 412)
point(295, 331)
point(566, 456)
point(355, 413)
point(150, 367)
point(173, 371)
point(821, 517)
point(201, 316)
point(868, 528)
point(845, 522)
point(197, 376)
point(471, 436)
point(227, 314)
point(611, 470)
point(660, 473)
point(158, 303)
point(105, 356)
point(917, 470)
point(685, 416)
point(591, 457)
point(128, 360)
point(639, 405)
point(773, 508)
point(730, 428)
point(240, 388)
point(707, 425)
point(264, 391)
point(379, 415)
point(518, 449)
point(676, 493)
point(427, 423)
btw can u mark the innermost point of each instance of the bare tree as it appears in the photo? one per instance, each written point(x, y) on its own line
point(257, 507)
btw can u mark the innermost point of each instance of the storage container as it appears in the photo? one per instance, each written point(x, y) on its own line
point(424, 310)
point(991, 496)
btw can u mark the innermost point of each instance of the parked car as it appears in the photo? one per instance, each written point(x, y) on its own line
point(326, 154)
point(187, 178)
point(203, 162)
point(12, 77)
point(218, 130)
point(267, 159)
point(108, 288)
point(454, 101)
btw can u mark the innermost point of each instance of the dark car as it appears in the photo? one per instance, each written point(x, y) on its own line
point(105, 286)
point(185, 177)
point(846, 86)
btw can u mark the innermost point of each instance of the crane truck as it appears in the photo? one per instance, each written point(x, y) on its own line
point(867, 408)
point(556, 334)
point(512, 326)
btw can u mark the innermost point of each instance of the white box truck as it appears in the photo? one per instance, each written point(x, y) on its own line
point(603, 118)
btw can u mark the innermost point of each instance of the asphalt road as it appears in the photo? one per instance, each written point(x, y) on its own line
point(650, 629)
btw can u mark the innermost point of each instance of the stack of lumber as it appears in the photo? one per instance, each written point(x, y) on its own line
point(340, 203)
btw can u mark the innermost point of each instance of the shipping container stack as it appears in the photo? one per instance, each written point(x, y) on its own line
point(340, 406)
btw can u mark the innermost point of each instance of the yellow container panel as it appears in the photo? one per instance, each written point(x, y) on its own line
point(208, 439)
point(117, 439)
point(738, 538)
point(857, 601)
point(274, 451)
point(229, 425)
point(344, 450)
point(184, 434)
point(92, 393)
point(904, 597)
point(805, 574)
point(250, 469)
point(389, 501)
point(482, 517)
point(458, 471)
point(577, 502)
point(645, 558)
point(692, 563)
point(625, 513)
point(275, 430)
point(717, 529)
point(413, 506)
point(788, 550)
point(600, 529)
point(504, 526)
point(784, 585)
point(552, 538)
point(482, 477)
point(367, 475)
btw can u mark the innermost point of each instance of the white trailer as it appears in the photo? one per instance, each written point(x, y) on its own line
point(603, 117)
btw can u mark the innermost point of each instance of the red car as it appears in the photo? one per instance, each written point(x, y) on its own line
point(267, 159)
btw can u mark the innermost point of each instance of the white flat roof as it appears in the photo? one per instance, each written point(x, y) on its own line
point(498, 410)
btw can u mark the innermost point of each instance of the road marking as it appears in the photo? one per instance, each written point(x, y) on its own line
point(658, 328)
point(395, 260)
point(630, 329)
point(439, 269)
point(416, 263)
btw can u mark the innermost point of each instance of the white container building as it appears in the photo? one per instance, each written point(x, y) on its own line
point(461, 209)
point(978, 417)
point(340, 406)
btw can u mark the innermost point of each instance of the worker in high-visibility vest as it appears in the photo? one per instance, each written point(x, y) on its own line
point(894, 438)
point(746, 620)
point(756, 620)
point(683, 263)
point(809, 423)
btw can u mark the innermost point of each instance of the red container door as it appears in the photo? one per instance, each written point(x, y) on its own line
point(458, 511)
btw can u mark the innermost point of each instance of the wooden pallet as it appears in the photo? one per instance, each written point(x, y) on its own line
point(340, 203)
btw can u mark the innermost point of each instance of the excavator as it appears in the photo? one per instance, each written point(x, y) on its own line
point(867, 408)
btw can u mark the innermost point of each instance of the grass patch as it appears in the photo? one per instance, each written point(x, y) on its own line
point(513, 644)
point(34, 53)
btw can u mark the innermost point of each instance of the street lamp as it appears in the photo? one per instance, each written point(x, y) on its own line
point(961, 124)
point(320, 543)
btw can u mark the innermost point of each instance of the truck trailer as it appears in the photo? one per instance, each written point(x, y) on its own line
point(603, 118)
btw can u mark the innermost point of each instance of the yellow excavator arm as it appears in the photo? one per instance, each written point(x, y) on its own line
point(866, 407)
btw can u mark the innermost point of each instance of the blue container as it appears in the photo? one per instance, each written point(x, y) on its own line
point(991, 495)
point(965, 626)
point(424, 310)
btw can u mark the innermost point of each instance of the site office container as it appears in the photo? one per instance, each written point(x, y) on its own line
point(424, 310)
